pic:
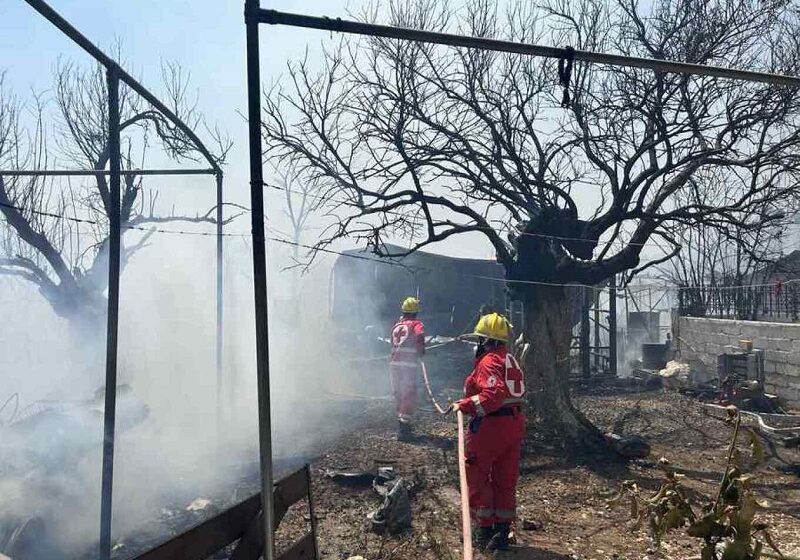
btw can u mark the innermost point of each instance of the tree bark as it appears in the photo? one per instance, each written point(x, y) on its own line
point(545, 356)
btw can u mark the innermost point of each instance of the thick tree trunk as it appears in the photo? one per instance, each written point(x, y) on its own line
point(546, 361)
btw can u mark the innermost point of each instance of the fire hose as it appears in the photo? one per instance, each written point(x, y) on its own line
point(462, 480)
point(466, 529)
point(430, 392)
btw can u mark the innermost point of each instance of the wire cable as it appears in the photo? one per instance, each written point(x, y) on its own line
point(389, 262)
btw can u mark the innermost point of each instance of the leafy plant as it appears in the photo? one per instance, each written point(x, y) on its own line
point(727, 526)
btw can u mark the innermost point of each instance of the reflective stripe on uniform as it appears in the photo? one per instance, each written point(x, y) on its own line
point(476, 400)
point(505, 514)
point(513, 401)
point(404, 363)
point(404, 356)
point(484, 512)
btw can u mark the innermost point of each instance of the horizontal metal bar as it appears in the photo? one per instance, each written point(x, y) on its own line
point(91, 172)
point(275, 17)
point(80, 39)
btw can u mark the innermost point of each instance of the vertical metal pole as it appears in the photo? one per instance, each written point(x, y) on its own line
point(109, 411)
point(612, 324)
point(596, 330)
point(259, 273)
point(219, 301)
point(584, 341)
point(627, 341)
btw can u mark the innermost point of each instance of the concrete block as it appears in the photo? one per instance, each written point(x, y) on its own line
point(792, 372)
point(730, 328)
point(793, 359)
point(785, 345)
point(790, 395)
point(790, 330)
point(773, 345)
point(710, 338)
point(776, 381)
point(782, 368)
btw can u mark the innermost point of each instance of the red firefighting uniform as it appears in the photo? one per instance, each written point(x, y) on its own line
point(494, 396)
point(408, 345)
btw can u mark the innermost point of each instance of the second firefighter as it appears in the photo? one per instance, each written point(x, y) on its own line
point(408, 347)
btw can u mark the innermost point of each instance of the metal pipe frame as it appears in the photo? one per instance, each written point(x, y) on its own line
point(218, 343)
point(274, 17)
point(55, 18)
point(115, 75)
point(109, 410)
point(585, 340)
point(260, 277)
point(95, 172)
point(612, 322)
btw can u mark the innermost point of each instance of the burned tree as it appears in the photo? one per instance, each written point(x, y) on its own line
point(742, 254)
point(425, 142)
point(55, 232)
point(300, 204)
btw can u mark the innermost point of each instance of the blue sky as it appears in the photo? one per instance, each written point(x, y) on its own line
point(205, 36)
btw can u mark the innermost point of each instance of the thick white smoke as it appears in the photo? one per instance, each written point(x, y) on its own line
point(187, 447)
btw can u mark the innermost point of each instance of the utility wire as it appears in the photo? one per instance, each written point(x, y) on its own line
point(633, 288)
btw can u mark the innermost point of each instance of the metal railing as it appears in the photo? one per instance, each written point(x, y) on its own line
point(771, 302)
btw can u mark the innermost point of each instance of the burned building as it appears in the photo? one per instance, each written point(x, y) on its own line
point(367, 290)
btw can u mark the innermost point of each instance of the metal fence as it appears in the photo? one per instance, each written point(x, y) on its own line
point(115, 77)
point(770, 302)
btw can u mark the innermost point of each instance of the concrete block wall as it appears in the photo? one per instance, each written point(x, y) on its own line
point(700, 339)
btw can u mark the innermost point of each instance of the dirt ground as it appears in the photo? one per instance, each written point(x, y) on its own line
point(562, 508)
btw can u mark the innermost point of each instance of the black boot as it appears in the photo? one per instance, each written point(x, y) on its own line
point(404, 432)
point(499, 540)
point(481, 537)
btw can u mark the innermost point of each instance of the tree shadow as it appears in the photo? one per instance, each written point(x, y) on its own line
point(526, 552)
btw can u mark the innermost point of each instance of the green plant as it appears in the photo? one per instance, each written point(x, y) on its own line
point(727, 526)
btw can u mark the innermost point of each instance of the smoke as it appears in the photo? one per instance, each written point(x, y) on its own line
point(194, 440)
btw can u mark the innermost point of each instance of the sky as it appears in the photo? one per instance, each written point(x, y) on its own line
point(207, 37)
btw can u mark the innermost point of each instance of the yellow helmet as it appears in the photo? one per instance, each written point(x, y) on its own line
point(493, 326)
point(410, 305)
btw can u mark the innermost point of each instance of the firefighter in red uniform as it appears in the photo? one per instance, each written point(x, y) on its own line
point(408, 346)
point(494, 395)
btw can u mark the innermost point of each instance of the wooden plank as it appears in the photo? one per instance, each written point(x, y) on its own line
point(288, 492)
point(242, 521)
point(205, 539)
point(251, 546)
point(311, 515)
point(302, 549)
